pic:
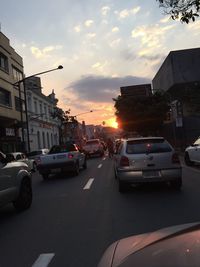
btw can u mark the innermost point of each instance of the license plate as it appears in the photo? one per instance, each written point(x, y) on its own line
point(151, 174)
point(56, 170)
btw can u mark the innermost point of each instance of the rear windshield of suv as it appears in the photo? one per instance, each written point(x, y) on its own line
point(147, 146)
point(63, 149)
point(92, 142)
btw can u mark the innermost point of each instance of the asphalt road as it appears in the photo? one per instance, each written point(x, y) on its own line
point(73, 219)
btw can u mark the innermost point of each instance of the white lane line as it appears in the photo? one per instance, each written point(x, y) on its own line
point(43, 260)
point(104, 158)
point(100, 165)
point(89, 183)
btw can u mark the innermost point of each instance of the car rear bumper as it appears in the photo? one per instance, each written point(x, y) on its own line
point(56, 167)
point(166, 175)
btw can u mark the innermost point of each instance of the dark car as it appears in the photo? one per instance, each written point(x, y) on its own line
point(177, 246)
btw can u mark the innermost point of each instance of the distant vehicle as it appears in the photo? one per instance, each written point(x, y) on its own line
point(192, 153)
point(93, 147)
point(35, 155)
point(15, 184)
point(19, 156)
point(147, 160)
point(60, 159)
point(176, 246)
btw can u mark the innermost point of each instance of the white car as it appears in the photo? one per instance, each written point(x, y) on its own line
point(19, 156)
point(147, 160)
point(15, 184)
point(192, 153)
point(93, 147)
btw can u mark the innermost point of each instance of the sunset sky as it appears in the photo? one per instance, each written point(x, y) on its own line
point(102, 45)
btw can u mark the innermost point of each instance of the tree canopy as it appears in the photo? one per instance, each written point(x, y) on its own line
point(144, 115)
point(185, 10)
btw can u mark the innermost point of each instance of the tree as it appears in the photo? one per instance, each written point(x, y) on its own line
point(144, 115)
point(185, 10)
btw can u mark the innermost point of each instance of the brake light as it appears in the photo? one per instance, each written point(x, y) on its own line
point(70, 156)
point(124, 161)
point(175, 158)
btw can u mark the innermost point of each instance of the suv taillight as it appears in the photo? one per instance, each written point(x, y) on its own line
point(124, 161)
point(175, 158)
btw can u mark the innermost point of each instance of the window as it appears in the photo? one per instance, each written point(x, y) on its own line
point(17, 74)
point(48, 144)
point(4, 62)
point(41, 109)
point(17, 104)
point(147, 146)
point(43, 137)
point(5, 97)
point(38, 139)
point(35, 106)
point(29, 103)
point(63, 148)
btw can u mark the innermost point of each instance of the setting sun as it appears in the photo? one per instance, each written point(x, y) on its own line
point(112, 123)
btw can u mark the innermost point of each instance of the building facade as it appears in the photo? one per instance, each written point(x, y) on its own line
point(12, 99)
point(179, 75)
point(44, 127)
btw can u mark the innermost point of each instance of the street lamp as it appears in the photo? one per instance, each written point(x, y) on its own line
point(18, 83)
point(82, 113)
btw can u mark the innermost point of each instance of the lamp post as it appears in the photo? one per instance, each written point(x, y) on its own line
point(18, 83)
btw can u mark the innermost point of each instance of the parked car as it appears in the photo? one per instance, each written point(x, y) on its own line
point(147, 160)
point(34, 155)
point(176, 246)
point(93, 147)
point(192, 153)
point(15, 183)
point(19, 156)
point(61, 159)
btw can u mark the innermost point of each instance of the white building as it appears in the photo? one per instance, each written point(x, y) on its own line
point(43, 126)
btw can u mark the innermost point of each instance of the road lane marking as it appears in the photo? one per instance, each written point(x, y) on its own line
point(100, 165)
point(104, 158)
point(43, 260)
point(89, 183)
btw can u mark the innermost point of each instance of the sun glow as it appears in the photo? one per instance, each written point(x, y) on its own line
point(112, 123)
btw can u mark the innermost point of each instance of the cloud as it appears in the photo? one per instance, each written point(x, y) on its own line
point(115, 43)
point(105, 10)
point(100, 88)
point(152, 35)
point(91, 35)
point(77, 28)
point(88, 23)
point(115, 29)
point(45, 52)
point(149, 55)
point(127, 12)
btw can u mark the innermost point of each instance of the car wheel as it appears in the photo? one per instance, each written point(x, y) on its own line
point(24, 199)
point(188, 162)
point(76, 169)
point(122, 187)
point(45, 176)
point(176, 184)
point(85, 164)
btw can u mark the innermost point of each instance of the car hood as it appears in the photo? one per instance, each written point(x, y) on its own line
point(17, 164)
point(138, 250)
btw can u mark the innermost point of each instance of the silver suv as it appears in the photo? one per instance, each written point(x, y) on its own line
point(15, 184)
point(147, 160)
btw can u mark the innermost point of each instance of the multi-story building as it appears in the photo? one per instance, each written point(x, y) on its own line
point(179, 75)
point(12, 108)
point(42, 124)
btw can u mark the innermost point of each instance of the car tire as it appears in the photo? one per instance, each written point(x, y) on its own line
point(188, 162)
point(76, 169)
point(122, 187)
point(45, 176)
point(24, 198)
point(85, 164)
point(177, 184)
